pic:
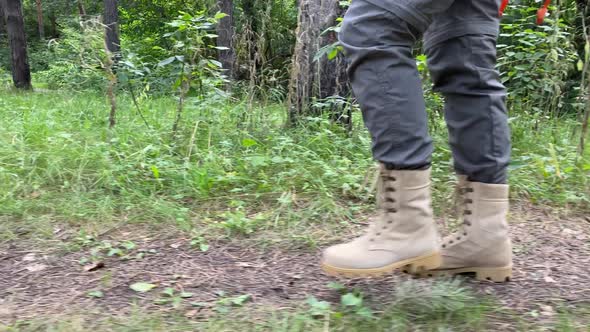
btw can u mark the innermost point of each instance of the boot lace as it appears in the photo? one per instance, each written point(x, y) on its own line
point(465, 203)
point(385, 203)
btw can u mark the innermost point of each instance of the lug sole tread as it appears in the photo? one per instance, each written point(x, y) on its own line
point(414, 265)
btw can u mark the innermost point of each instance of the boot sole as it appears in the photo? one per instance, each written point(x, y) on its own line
point(494, 274)
point(416, 265)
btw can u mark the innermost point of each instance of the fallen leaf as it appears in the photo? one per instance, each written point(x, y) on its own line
point(96, 294)
point(569, 231)
point(36, 267)
point(191, 313)
point(29, 257)
point(142, 287)
point(186, 295)
point(244, 264)
point(199, 304)
point(94, 266)
point(249, 265)
point(5, 310)
point(35, 194)
point(547, 310)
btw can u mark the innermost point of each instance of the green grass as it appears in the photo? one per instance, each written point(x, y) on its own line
point(442, 306)
point(232, 166)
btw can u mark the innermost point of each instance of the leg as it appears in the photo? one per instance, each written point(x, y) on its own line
point(383, 73)
point(463, 69)
point(385, 80)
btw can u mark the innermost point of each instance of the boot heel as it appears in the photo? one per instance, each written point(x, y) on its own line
point(425, 263)
point(503, 274)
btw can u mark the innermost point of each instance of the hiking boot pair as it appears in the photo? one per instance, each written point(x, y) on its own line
point(405, 236)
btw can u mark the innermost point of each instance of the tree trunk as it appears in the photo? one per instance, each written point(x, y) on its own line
point(81, 9)
point(314, 79)
point(53, 23)
point(2, 24)
point(40, 19)
point(111, 22)
point(225, 33)
point(15, 26)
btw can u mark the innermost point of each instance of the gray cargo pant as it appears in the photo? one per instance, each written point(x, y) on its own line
point(378, 37)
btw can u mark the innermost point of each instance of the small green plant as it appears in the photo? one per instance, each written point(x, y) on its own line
point(238, 223)
point(318, 309)
point(198, 241)
point(226, 303)
point(173, 297)
point(194, 66)
point(101, 249)
point(95, 294)
point(352, 305)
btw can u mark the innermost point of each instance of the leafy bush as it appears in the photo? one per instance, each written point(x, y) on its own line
point(79, 57)
point(536, 61)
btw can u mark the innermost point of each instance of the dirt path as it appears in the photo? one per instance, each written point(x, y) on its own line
point(552, 268)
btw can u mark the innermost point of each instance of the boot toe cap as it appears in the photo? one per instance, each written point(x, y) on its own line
point(348, 256)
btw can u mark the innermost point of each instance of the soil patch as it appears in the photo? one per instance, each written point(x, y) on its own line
point(552, 265)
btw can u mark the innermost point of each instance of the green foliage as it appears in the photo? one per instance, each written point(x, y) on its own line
point(536, 62)
point(76, 60)
point(191, 58)
point(57, 163)
point(173, 297)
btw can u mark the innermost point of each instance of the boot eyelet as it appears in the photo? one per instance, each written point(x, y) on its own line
point(390, 221)
point(465, 234)
point(378, 234)
point(391, 178)
point(390, 200)
point(372, 240)
point(444, 245)
point(384, 227)
point(451, 242)
point(391, 210)
point(467, 212)
point(458, 238)
point(469, 190)
point(390, 189)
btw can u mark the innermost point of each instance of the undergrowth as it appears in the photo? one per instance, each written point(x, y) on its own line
point(231, 166)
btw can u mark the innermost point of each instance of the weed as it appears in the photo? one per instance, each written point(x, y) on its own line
point(173, 297)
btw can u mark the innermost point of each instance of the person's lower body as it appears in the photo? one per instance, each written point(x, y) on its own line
point(459, 38)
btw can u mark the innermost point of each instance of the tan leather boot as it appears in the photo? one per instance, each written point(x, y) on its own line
point(483, 246)
point(403, 236)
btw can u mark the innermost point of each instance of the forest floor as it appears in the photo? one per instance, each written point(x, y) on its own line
point(50, 285)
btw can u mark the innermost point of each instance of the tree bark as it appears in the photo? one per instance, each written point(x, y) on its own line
point(40, 19)
point(81, 9)
point(2, 23)
point(225, 35)
point(315, 79)
point(111, 22)
point(15, 26)
point(53, 24)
